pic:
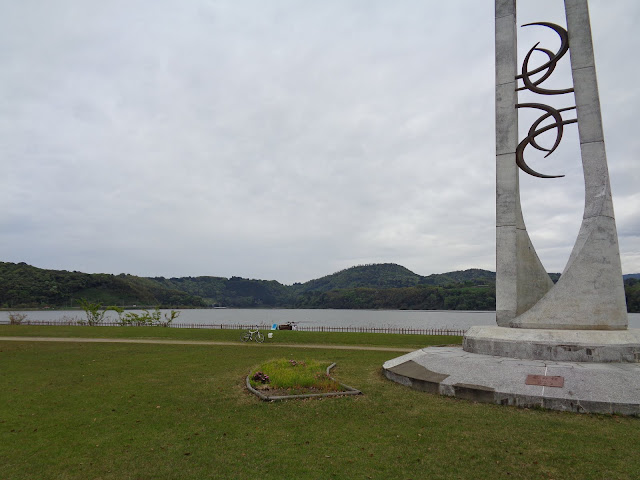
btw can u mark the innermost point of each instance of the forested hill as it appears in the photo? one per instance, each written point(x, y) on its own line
point(387, 286)
point(390, 275)
point(22, 285)
point(382, 275)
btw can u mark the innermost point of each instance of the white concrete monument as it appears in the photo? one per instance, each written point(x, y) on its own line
point(590, 292)
point(570, 338)
point(589, 296)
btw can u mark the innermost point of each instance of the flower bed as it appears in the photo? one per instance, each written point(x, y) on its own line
point(283, 379)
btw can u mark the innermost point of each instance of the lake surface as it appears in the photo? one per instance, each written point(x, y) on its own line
point(423, 319)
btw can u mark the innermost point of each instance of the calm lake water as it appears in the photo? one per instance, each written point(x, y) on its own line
point(325, 318)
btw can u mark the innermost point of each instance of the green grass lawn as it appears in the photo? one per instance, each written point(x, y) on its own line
point(143, 411)
point(208, 334)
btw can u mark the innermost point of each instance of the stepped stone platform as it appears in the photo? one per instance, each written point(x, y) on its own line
point(600, 346)
point(584, 387)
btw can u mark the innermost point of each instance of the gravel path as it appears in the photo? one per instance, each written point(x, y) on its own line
point(202, 342)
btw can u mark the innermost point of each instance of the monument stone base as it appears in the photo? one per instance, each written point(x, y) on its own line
point(584, 387)
point(599, 346)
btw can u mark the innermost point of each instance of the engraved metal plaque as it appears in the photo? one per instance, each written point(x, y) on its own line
point(545, 381)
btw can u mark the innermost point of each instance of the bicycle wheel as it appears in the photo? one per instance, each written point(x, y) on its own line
point(246, 336)
point(259, 337)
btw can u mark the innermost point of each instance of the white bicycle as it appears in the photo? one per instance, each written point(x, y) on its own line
point(252, 335)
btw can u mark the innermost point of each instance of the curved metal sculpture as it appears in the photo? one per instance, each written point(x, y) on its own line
point(550, 66)
point(533, 86)
point(534, 131)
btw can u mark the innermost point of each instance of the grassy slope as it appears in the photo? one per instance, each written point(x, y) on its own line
point(132, 411)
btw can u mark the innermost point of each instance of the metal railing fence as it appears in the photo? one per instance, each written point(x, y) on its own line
point(300, 328)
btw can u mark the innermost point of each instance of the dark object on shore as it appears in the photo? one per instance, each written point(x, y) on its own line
point(288, 326)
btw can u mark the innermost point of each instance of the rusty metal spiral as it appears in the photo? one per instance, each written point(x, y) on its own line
point(549, 66)
point(534, 131)
point(534, 86)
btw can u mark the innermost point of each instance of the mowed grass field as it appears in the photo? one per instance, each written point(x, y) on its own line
point(157, 411)
point(206, 334)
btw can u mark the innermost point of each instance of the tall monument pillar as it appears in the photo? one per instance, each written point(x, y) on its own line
point(521, 280)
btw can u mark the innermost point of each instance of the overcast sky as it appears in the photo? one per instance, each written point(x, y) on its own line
point(286, 139)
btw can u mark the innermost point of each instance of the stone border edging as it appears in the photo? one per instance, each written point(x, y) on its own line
point(268, 398)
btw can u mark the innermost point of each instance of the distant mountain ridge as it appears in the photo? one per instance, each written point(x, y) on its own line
point(28, 286)
point(381, 275)
point(385, 285)
point(390, 275)
point(23, 285)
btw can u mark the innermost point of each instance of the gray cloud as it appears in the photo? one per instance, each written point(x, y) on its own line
point(281, 139)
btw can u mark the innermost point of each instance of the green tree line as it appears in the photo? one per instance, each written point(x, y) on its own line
point(379, 286)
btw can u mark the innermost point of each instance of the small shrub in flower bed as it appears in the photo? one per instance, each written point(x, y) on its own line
point(260, 377)
point(294, 376)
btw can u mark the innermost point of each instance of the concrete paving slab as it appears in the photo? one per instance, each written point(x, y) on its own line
point(588, 387)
